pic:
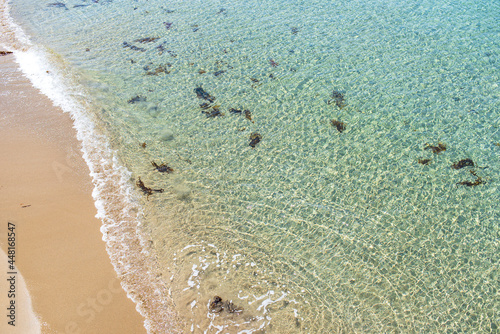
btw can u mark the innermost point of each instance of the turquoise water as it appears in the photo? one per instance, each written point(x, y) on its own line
point(313, 230)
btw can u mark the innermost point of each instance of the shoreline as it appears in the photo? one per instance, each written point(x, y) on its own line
point(45, 189)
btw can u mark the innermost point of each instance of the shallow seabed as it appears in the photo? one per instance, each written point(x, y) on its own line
point(313, 230)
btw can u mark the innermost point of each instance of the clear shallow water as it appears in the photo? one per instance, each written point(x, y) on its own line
point(312, 230)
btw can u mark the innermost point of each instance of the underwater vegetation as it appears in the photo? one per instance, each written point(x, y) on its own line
point(463, 163)
point(137, 98)
point(424, 161)
point(132, 47)
point(162, 168)
point(217, 306)
point(474, 183)
point(255, 139)
point(146, 190)
point(337, 98)
point(435, 149)
point(338, 124)
point(202, 94)
point(57, 5)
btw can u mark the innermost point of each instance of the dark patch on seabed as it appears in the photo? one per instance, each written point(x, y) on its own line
point(147, 190)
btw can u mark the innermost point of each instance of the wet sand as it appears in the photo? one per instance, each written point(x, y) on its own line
point(45, 191)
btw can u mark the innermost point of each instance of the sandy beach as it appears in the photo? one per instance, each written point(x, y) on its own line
point(45, 193)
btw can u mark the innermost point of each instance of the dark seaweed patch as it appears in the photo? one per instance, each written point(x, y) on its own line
point(424, 161)
point(205, 105)
point(248, 115)
point(162, 168)
point(214, 112)
point(57, 5)
point(338, 98)
point(4, 53)
point(217, 306)
point(133, 47)
point(146, 190)
point(147, 39)
point(338, 124)
point(255, 138)
point(137, 99)
point(161, 48)
point(476, 182)
point(160, 69)
point(202, 94)
point(435, 149)
point(463, 163)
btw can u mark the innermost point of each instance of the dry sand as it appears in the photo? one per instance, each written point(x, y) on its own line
point(45, 190)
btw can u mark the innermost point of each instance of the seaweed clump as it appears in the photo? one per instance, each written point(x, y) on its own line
point(463, 163)
point(132, 47)
point(476, 182)
point(424, 161)
point(147, 39)
point(57, 5)
point(338, 124)
point(337, 98)
point(137, 98)
point(163, 168)
point(212, 113)
point(435, 149)
point(217, 306)
point(4, 53)
point(202, 94)
point(248, 115)
point(255, 138)
point(146, 190)
point(159, 69)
